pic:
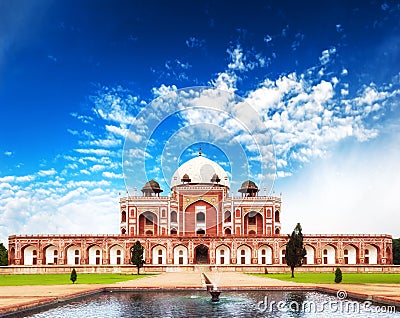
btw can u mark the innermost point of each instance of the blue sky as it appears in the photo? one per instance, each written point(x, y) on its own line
point(323, 77)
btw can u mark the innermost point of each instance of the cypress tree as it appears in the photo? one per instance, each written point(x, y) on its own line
point(295, 250)
point(73, 276)
point(3, 255)
point(338, 275)
point(396, 251)
point(137, 255)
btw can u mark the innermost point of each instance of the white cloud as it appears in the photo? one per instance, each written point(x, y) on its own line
point(98, 152)
point(96, 168)
point(18, 179)
point(87, 184)
point(244, 61)
point(85, 160)
point(44, 173)
point(107, 143)
point(73, 132)
point(346, 193)
point(116, 104)
point(267, 38)
point(225, 82)
point(52, 58)
point(326, 55)
point(237, 62)
point(71, 166)
point(112, 175)
point(194, 42)
point(8, 153)
point(322, 91)
point(369, 98)
point(283, 174)
point(164, 90)
point(305, 116)
point(172, 65)
point(119, 131)
point(44, 211)
point(344, 92)
point(7, 179)
point(85, 119)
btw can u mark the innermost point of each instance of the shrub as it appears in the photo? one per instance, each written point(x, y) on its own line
point(338, 275)
point(74, 276)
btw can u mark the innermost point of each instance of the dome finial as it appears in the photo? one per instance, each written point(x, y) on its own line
point(200, 152)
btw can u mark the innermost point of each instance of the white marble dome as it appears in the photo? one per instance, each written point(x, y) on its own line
point(200, 170)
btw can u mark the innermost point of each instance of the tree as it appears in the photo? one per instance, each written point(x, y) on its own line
point(3, 255)
point(396, 251)
point(137, 255)
point(295, 250)
point(74, 276)
point(338, 275)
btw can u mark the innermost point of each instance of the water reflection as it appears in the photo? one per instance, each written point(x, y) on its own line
point(198, 304)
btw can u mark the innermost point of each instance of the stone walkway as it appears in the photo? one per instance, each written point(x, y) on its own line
point(194, 280)
point(14, 298)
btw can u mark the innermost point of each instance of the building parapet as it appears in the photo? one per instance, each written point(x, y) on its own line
point(200, 236)
point(347, 235)
point(67, 235)
point(142, 198)
point(257, 198)
point(227, 199)
point(192, 187)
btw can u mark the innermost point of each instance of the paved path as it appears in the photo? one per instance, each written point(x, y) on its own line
point(13, 298)
point(194, 280)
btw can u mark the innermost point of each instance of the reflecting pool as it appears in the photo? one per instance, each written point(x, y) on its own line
point(232, 304)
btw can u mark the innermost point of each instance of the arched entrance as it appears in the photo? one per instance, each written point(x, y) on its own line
point(350, 254)
point(328, 254)
point(180, 255)
point(310, 256)
point(265, 255)
point(253, 223)
point(50, 255)
point(201, 254)
point(148, 224)
point(371, 253)
point(29, 255)
point(116, 255)
point(12, 256)
point(223, 255)
point(243, 255)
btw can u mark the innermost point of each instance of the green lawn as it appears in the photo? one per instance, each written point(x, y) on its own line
point(348, 278)
point(61, 279)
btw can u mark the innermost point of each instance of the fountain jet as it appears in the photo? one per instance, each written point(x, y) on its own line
point(211, 288)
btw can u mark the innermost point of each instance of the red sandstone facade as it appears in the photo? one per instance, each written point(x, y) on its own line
point(200, 223)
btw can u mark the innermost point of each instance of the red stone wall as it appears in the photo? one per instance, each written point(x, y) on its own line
point(83, 242)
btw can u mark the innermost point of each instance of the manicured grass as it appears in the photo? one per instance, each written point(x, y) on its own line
point(62, 279)
point(327, 278)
